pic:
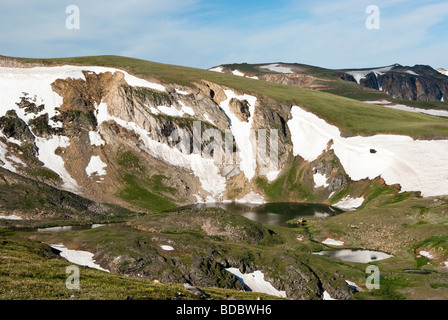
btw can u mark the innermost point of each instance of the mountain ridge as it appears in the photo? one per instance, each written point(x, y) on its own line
point(100, 117)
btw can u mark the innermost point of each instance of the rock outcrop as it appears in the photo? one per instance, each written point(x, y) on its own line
point(419, 83)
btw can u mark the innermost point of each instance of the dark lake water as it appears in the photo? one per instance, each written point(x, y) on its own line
point(274, 213)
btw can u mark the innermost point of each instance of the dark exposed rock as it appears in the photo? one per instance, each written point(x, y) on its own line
point(29, 106)
point(370, 81)
point(41, 127)
point(344, 76)
point(240, 109)
point(329, 166)
point(14, 127)
point(411, 87)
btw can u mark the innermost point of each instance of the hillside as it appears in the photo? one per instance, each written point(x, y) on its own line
point(418, 86)
point(93, 130)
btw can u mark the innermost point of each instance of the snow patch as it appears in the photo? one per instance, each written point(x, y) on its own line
point(361, 74)
point(184, 93)
point(348, 203)
point(185, 109)
point(380, 102)
point(332, 242)
point(412, 72)
point(432, 112)
point(171, 111)
point(167, 248)
point(277, 68)
point(426, 254)
point(320, 180)
point(398, 159)
point(46, 154)
point(238, 73)
point(174, 112)
point(207, 118)
point(256, 283)
point(272, 175)
point(217, 69)
point(96, 165)
point(82, 258)
point(11, 217)
point(327, 296)
point(95, 139)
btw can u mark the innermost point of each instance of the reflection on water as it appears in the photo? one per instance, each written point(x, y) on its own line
point(274, 213)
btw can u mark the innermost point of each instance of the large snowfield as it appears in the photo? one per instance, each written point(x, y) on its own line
point(417, 165)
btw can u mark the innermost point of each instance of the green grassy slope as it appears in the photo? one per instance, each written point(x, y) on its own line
point(29, 270)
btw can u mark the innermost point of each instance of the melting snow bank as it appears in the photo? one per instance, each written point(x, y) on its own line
point(216, 69)
point(11, 217)
point(426, 254)
point(327, 296)
point(333, 242)
point(388, 104)
point(96, 165)
point(46, 154)
point(349, 203)
point(82, 258)
point(397, 159)
point(256, 283)
point(320, 180)
point(238, 73)
point(95, 139)
point(277, 68)
point(361, 74)
point(241, 130)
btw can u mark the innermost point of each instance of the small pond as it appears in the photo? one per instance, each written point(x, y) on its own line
point(274, 213)
point(361, 256)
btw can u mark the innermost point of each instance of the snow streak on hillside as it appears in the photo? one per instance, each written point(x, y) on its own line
point(417, 165)
point(241, 130)
point(205, 169)
point(361, 74)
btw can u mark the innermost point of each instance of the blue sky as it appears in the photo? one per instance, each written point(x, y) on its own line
point(327, 33)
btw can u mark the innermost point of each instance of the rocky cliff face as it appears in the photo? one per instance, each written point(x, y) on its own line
point(112, 137)
point(420, 82)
